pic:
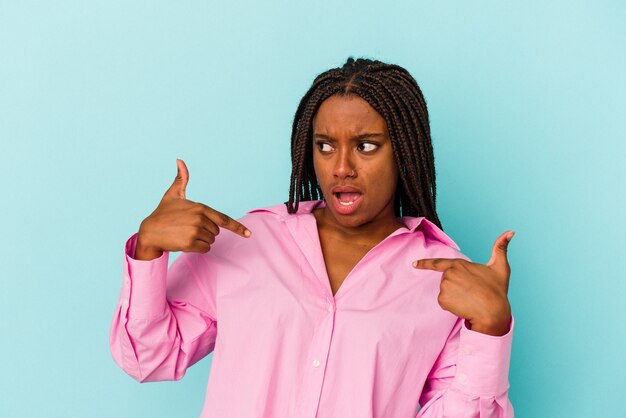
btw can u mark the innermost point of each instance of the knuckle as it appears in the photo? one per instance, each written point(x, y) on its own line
point(210, 226)
point(441, 300)
point(452, 273)
point(188, 242)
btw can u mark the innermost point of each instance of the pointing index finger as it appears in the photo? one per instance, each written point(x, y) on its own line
point(437, 264)
point(224, 221)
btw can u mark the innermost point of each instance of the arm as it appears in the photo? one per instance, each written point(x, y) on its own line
point(470, 377)
point(165, 320)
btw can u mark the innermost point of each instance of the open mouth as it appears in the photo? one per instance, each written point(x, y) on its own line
point(347, 203)
point(347, 199)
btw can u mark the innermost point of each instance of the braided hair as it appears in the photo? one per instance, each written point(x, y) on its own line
point(395, 95)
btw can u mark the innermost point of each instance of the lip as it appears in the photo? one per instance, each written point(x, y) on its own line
point(345, 189)
point(346, 209)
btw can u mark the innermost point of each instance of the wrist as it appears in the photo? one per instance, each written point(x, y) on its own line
point(144, 250)
point(495, 328)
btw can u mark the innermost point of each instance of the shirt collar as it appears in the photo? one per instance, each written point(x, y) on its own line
point(412, 223)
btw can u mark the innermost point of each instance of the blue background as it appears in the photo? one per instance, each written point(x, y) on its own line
point(97, 99)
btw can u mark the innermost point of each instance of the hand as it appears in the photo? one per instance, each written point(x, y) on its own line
point(178, 224)
point(475, 291)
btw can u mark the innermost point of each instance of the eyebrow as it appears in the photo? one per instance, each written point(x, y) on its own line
point(354, 138)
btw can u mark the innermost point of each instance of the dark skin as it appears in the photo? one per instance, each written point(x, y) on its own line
point(351, 148)
point(179, 224)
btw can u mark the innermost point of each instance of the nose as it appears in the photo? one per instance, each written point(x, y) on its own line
point(344, 166)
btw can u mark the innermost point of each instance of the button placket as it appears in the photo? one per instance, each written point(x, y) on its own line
point(330, 305)
point(311, 388)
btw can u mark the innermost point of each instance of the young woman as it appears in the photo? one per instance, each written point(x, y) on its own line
point(346, 301)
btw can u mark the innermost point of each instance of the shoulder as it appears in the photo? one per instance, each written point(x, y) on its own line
point(271, 221)
point(428, 238)
point(279, 212)
point(265, 224)
point(274, 211)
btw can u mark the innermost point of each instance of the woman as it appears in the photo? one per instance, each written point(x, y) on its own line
point(346, 301)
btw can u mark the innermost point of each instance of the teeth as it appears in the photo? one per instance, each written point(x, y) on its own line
point(350, 203)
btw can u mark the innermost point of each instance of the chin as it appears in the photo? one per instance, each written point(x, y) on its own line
point(354, 220)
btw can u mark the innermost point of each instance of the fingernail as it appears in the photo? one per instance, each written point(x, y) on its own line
point(247, 233)
point(415, 264)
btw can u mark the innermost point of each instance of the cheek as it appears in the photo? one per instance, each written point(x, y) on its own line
point(321, 171)
point(388, 183)
point(386, 176)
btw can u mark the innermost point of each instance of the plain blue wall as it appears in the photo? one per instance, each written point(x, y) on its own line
point(97, 99)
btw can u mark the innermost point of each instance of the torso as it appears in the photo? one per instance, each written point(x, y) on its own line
point(340, 257)
point(341, 253)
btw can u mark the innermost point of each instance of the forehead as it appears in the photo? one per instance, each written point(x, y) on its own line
point(347, 114)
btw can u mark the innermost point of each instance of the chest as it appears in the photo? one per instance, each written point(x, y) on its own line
point(340, 258)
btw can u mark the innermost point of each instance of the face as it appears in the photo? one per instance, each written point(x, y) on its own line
point(354, 163)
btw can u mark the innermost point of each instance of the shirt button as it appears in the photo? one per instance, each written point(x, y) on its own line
point(316, 363)
point(330, 305)
point(463, 378)
point(467, 351)
point(124, 303)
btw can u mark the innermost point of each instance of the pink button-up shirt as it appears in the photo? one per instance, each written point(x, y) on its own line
point(284, 346)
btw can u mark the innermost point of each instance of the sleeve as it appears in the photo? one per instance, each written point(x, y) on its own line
point(470, 376)
point(164, 321)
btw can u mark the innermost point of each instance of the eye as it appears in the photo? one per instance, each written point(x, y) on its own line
point(367, 147)
point(323, 146)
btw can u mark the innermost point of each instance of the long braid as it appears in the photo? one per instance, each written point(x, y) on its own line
point(425, 146)
point(411, 149)
point(396, 96)
point(393, 111)
point(403, 88)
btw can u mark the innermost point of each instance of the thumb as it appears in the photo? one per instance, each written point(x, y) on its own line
point(177, 189)
point(499, 251)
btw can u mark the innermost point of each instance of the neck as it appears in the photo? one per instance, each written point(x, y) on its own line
point(379, 227)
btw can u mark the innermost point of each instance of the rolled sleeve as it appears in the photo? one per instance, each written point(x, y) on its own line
point(144, 287)
point(483, 362)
